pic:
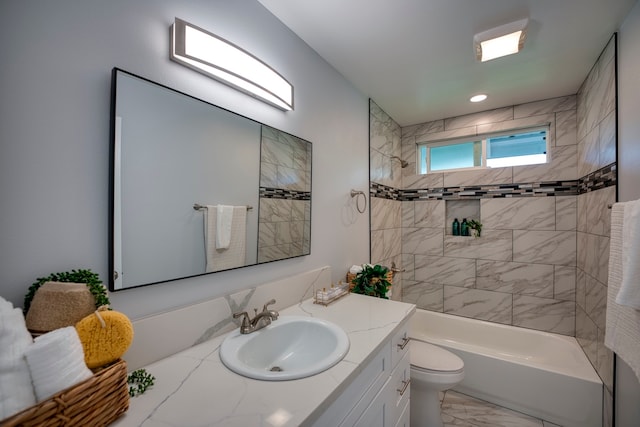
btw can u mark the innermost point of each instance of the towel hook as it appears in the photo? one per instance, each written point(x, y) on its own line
point(356, 194)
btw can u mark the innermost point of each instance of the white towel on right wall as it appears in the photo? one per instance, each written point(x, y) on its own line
point(622, 332)
point(629, 293)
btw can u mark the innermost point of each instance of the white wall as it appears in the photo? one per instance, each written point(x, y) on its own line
point(54, 135)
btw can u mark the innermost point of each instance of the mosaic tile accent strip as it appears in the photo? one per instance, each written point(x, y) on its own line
point(280, 193)
point(602, 178)
point(384, 191)
point(535, 189)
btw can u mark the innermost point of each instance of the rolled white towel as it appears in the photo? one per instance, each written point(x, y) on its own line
point(355, 269)
point(16, 391)
point(56, 362)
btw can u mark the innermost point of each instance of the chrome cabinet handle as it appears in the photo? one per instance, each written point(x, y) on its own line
point(404, 343)
point(405, 384)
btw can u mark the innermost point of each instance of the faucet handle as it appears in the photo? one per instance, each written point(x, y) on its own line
point(245, 318)
point(270, 302)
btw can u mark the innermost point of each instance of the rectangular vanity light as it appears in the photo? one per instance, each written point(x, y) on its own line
point(215, 57)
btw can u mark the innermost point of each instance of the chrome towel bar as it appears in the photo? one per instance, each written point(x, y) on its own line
point(198, 207)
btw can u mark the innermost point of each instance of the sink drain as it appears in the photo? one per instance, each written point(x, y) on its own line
point(276, 369)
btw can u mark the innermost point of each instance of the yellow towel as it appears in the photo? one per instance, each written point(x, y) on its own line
point(105, 337)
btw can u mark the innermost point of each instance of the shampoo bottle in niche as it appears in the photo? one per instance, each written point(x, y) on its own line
point(455, 228)
point(464, 227)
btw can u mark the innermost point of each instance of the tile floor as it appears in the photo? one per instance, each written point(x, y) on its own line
point(460, 410)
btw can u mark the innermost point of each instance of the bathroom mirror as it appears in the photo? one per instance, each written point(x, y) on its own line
point(174, 159)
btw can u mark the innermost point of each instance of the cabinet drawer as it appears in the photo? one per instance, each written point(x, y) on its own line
point(400, 344)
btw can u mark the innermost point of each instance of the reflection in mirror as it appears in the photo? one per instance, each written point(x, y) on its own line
point(285, 196)
point(171, 151)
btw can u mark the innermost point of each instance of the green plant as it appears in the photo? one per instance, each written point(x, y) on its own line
point(74, 276)
point(372, 281)
point(139, 381)
point(475, 225)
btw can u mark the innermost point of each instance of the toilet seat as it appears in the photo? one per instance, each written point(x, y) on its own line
point(430, 358)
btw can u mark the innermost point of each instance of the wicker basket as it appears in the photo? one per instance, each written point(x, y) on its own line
point(351, 276)
point(97, 401)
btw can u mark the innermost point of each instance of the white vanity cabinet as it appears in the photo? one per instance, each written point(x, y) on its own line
point(194, 388)
point(379, 396)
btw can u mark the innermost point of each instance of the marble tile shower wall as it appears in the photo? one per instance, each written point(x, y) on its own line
point(285, 189)
point(522, 271)
point(386, 214)
point(596, 132)
point(542, 261)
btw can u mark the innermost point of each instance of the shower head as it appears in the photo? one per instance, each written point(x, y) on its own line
point(403, 163)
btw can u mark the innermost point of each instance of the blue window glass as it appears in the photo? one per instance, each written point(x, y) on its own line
point(454, 156)
point(526, 148)
point(523, 144)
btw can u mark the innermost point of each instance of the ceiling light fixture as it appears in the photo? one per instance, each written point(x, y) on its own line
point(500, 41)
point(478, 98)
point(217, 58)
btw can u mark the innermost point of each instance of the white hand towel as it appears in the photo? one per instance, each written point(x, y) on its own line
point(56, 362)
point(622, 331)
point(210, 221)
point(224, 221)
point(355, 269)
point(235, 255)
point(16, 391)
point(629, 293)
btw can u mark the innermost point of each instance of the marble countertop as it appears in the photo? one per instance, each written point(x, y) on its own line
point(194, 388)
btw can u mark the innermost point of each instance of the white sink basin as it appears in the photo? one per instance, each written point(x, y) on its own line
point(291, 347)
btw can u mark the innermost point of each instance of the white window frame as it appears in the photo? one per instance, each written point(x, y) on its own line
point(482, 139)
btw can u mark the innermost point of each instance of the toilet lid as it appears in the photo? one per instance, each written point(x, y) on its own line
point(428, 356)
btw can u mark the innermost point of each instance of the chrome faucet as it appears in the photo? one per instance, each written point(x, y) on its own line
point(260, 320)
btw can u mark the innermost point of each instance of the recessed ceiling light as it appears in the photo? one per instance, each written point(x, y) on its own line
point(478, 98)
point(500, 41)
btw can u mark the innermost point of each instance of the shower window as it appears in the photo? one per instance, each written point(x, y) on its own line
point(526, 147)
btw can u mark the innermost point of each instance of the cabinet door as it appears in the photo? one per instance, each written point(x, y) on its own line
point(378, 413)
point(401, 390)
point(405, 417)
point(356, 397)
point(391, 403)
point(400, 344)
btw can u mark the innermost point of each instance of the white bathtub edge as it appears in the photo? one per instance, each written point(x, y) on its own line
point(570, 399)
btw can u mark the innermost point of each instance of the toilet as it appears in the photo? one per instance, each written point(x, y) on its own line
point(433, 369)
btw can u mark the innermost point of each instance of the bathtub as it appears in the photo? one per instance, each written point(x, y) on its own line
point(537, 373)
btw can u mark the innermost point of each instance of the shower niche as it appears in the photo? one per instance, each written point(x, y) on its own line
point(460, 209)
